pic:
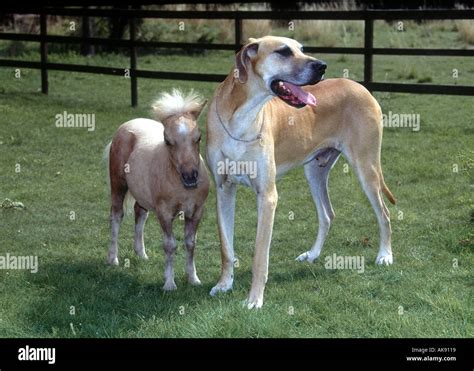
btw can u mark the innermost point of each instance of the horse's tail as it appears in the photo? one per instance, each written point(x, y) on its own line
point(129, 200)
point(128, 203)
point(105, 159)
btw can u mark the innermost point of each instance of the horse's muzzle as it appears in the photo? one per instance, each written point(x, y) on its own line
point(190, 179)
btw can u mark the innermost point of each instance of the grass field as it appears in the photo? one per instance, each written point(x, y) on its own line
point(428, 292)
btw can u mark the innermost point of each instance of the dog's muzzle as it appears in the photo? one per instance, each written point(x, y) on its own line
point(293, 93)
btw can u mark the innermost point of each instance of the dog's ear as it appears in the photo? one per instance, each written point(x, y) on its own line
point(242, 58)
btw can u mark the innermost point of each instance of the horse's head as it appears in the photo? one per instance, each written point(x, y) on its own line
point(179, 114)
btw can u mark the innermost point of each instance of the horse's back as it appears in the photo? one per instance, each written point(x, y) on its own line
point(144, 131)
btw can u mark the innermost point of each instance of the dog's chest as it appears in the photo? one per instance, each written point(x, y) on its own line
point(234, 151)
point(238, 163)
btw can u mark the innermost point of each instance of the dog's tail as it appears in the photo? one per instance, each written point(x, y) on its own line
point(387, 192)
point(129, 200)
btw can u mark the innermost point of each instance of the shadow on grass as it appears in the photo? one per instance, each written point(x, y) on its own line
point(302, 271)
point(91, 299)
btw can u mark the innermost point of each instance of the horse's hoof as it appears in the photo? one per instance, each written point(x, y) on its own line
point(169, 286)
point(195, 281)
point(220, 287)
point(113, 261)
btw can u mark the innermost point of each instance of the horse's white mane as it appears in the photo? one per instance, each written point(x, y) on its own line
point(176, 102)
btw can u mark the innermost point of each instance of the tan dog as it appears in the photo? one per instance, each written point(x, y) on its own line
point(248, 125)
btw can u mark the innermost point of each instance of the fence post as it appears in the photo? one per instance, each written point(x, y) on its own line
point(86, 48)
point(133, 62)
point(368, 46)
point(44, 52)
point(238, 33)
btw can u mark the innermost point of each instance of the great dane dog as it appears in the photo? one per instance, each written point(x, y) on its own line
point(261, 114)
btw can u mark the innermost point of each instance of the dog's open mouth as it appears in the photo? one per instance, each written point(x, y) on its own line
point(292, 94)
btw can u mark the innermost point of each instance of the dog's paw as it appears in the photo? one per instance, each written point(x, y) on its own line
point(169, 286)
point(253, 303)
point(307, 256)
point(386, 259)
point(221, 287)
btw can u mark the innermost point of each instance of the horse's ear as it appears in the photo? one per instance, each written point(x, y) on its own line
point(165, 120)
point(242, 58)
point(197, 111)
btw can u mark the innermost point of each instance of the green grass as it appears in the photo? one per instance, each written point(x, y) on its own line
point(61, 171)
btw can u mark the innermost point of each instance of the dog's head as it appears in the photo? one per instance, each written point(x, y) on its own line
point(278, 65)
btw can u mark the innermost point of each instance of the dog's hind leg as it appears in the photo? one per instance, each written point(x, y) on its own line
point(141, 216)
point(317, 174)
point(371, 179)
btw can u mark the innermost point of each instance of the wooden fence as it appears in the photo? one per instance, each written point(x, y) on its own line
point(368, 51)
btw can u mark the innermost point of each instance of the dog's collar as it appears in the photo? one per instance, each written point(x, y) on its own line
point(259, 136)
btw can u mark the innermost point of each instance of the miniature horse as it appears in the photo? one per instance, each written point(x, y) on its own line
point(157, 166)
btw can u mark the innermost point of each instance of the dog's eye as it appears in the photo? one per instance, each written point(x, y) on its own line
point(198, 139)
point(167, 142)
point(285, 52)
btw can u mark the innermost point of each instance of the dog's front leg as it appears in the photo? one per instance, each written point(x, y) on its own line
point(267, 199)
point(226, 193)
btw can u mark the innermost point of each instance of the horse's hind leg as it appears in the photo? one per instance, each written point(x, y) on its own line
point(141, 216)
point(120, 149)
point(116, 216)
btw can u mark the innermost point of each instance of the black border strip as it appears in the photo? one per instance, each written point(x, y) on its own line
point(91, 352)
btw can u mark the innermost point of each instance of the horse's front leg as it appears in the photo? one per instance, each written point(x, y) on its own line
point(190, 229)
point(169, 245)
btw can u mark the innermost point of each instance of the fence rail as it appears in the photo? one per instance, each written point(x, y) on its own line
point(368, 51)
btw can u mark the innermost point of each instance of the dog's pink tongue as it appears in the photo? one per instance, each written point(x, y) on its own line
point(302, 95)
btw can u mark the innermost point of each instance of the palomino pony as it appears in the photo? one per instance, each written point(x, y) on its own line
point(157, 166)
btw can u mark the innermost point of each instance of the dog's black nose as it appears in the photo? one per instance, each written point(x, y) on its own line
point(318, 66)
